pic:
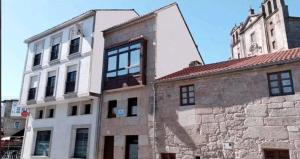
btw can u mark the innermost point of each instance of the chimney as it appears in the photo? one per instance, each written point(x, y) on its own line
point(251, 11)
point(195, 63)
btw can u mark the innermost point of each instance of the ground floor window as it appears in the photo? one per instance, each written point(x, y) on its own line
point(168, 156)
point(42, 143)
point(81, 143)
point(131, 147)
point(276, 154)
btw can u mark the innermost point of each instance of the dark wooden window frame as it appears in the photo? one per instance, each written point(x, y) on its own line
point(129, 107)
point(111, 105)
point(143, 64)
point(280, 86)
point(188, 95)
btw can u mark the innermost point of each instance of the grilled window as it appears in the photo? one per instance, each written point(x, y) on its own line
point(123, 60)
point(280, 83)
point(187, 95)
point(112, 108)
point(81, 143)
point(42, 144)
point(74, 45)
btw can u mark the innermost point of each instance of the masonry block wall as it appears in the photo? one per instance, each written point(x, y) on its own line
point(233, 108)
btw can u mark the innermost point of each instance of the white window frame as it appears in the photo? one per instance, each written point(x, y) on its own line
point(77, 77)
point(56, 81)
point(60, 35)
point(80, 36)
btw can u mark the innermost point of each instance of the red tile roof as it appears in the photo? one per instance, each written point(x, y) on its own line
point(237, 64)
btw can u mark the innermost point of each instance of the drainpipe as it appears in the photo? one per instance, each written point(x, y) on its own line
point(98, 125)
point(154, 125)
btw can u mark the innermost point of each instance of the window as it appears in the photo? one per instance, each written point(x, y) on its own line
point(50, 112)
point(187, 95)
point(42, 143)
point(123, 60)
point(132, 107)
point(73, 110)
point(131, 151)
point(269, 7)
point(197, 157)
point(112, 108)
point(50, 84)
point(276, 154)
point(33, 88)
point(253, 37)
point(74, 45)
point(87, 109)
point(39, 47)
point(168, 156)
point(71, 79)
point(81, 143)
point(275, 4)
point(40, 114)
point(274, 44)
point(280, 83)
point(55, 48)
point(17, 125)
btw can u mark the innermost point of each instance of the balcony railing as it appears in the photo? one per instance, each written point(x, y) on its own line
point(31, 93)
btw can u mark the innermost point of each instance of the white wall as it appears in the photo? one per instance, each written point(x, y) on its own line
point(61, 125)
point(175, 47)
point(103, 21)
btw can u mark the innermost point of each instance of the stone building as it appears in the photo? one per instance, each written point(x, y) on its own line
point(11, 120)
point(136, 53)
point(270, 30)
point(247, 108)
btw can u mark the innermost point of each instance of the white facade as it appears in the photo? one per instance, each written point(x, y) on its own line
point(57, 110)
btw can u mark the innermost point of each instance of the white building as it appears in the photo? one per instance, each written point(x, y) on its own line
point(62, 86)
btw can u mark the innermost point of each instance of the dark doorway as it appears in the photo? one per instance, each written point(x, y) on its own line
point(108, 147)
point(168, 156)
point(131, 147)
point(276, 154)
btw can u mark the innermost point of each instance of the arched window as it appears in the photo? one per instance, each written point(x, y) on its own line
point(275, 4)
point(270, 7)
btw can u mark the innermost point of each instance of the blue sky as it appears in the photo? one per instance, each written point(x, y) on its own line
point(209, 21)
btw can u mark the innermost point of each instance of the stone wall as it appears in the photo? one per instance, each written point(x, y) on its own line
point(233, 109)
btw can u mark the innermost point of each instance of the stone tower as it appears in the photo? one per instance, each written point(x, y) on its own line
point(270, 30)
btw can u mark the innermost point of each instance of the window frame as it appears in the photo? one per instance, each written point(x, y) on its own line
point(36, 130)
point(279, 80)
point(116, 48)
point(110, 113)
point(73, 138)
point(79, 45)
point(77, 64)
point(129, 113)
point(188, 96)
point(36, 44)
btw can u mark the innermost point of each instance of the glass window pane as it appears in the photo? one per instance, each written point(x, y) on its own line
point(274, 84)
point(286, 82)
point(123, 60)
point(122, 72)
point(111, 74)
point(192, 100)
point(285, 75)
point(273, 77)
point(184, 101)
point(135, 46)
point(81, 141)
point(184, 89)
point(275, 90)
point(184, 95)
point(191, 88)
point(112, 63)
point(191, 94)
point(123, 49)
point(134, 69)
point(287, 89)
point(42, 143)
point(135, 58)
point(112, 52)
